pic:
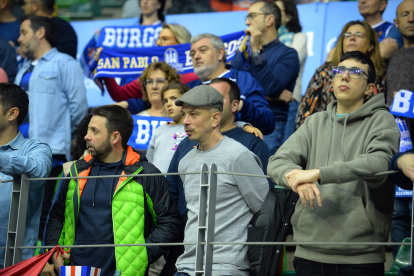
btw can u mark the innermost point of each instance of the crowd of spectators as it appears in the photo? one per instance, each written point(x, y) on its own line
point(245, 116)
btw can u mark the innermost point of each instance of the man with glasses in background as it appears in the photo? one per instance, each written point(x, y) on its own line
point(275, 65)
point(335, 156)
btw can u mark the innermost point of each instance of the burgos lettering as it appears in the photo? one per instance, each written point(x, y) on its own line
point(129, 37)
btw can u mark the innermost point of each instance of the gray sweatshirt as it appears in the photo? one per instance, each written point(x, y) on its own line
point(163, 144)
point(237, 199)
point(356, 205)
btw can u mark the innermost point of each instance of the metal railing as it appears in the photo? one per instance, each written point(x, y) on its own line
point(206, 220)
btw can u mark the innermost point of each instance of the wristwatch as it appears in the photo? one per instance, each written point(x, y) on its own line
point(257, 53)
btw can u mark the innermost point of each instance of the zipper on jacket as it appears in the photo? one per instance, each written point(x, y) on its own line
point(112, 213)
point(126, 181)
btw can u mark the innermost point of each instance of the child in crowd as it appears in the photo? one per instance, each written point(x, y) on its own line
point(166, 138)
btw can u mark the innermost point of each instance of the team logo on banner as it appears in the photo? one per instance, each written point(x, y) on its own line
point(171, 57)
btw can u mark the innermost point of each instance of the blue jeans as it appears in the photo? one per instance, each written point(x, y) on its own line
point(401, 221)
point(181, 274)
point(291, 120)
point(276, 138)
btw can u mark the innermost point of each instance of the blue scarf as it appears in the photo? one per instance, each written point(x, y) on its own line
point(116, 62)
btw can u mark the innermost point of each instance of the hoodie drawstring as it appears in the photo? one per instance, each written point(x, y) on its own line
point(94, 188)
point(112, 186)
point(329, 141)
point(342, 139)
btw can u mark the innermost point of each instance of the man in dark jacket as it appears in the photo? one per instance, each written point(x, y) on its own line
point(209, 62)
point(126, 210)
point(275, 65)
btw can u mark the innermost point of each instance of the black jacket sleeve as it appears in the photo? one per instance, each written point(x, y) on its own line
point(400, 179)
point(56, 217)
point(169, 224)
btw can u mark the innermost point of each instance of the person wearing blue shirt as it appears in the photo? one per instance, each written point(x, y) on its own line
point(9, 24)
point(275, 65)
point(231, 97)
point(55, 85)
point(8, 59)
point(209, 62)
point(19, 155)
point(388, 35)
point(66, 39)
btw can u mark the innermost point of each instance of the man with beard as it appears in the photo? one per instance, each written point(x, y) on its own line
point(19, 155)
point(126, 210)
point(66, 39)
point(209, 62)
point(57, 95)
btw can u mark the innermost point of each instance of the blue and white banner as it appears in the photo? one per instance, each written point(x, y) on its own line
point(402, 193)
point(131, 62)
point(127, 37)
point(144, 127)
point(124, 37)
point(403, 104)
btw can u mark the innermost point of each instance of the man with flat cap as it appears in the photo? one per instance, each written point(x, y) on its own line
point(238, 198)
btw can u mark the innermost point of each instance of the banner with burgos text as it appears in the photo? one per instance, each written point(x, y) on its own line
point(120, 37)
point(403, 107)
point(144, 128)
point(130, 62)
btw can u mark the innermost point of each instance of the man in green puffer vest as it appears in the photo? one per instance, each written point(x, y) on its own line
point(127, 210)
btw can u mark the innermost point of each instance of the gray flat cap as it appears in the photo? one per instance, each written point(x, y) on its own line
point(202, 95)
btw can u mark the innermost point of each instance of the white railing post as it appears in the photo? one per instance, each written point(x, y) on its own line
point(17, 221)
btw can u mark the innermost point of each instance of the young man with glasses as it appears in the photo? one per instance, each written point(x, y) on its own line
point(275, 65)
point(334, 158)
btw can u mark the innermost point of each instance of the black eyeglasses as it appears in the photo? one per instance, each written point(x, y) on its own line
point(252, 15)
point(354, 72)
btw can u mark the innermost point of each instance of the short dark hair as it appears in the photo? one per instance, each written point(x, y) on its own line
point(117, 119)
point(47, 5)
point(12, 95)
point(78, 144)
point(41, 21)
point(182, 88)
point(234, 92)
point(271, 8)
point(290, 9)
point(364, 59)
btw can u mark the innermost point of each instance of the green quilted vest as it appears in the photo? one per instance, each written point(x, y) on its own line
point(127, 216)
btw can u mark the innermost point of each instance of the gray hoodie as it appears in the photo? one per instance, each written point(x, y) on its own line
point(356, 205)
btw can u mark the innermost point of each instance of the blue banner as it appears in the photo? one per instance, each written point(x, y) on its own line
point(127, 37)
point(131, 62)
point(144, 127)
point(403, 104)
point(402, 193)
